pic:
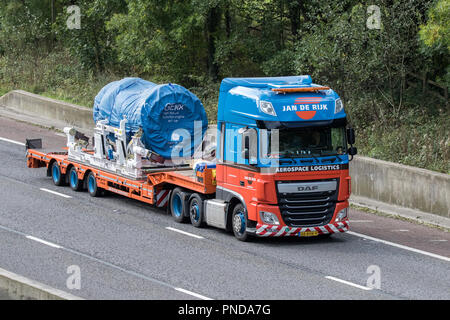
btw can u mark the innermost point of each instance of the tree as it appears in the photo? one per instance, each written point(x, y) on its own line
point(435, 36)
point(436, 32)
point(24, 25)
point(160, 38)
point(366, 66)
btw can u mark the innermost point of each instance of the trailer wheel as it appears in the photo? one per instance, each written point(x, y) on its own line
point(177, 205)
point(93, 189)
point(57, 176)
point(196, 211)
point(75, 183)
point(239, 222)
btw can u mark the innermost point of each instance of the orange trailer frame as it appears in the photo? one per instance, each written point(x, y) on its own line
point(143, 190)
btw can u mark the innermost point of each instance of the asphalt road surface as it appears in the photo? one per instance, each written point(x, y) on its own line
point(124, 249)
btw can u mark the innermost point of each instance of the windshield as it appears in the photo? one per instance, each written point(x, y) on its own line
point(307, 142)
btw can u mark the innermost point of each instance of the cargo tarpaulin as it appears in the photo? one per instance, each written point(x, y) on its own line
point(158, 109)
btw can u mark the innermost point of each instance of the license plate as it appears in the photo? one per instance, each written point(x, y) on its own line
point(308, 234)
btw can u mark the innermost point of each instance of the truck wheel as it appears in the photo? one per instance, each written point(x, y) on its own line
point(196, 212)
point(75, 183)
point(93, 189)
point(57, 176)
point(177, 205)
point(239, 222)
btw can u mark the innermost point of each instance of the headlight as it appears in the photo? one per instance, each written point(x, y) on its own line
point(267, 108)
point(269, 217)
point(342, 215)
point(339, 106)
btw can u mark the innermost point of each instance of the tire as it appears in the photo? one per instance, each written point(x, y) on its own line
point(177, 205)
point(239, 223)
point(74, 182)
point(91, 183)
point(196, 211)
point(57, 177)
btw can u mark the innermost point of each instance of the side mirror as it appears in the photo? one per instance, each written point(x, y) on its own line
point(350, 136)
point(352, 151)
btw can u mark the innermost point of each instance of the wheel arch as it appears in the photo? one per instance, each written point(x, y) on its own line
point(232, 203)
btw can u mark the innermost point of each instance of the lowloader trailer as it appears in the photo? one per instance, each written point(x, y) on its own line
point(281, 155)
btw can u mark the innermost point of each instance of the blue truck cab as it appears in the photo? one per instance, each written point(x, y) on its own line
point(282, 157)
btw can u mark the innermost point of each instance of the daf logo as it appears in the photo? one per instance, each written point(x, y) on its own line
point(308, 188)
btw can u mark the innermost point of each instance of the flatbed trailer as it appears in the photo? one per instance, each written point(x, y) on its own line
point(157, 190)
point(154, 190)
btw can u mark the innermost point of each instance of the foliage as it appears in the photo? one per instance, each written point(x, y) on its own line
point(436, 32)
point(366, 66)
point(92, 44)
point(198, 42)
point(24, 25)
point(157, 38)
point(435, 35)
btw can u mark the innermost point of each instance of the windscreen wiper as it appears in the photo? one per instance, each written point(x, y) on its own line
point(317, 159)
point(286, 161)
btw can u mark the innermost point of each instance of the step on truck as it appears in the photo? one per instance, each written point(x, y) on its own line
point(277, 164)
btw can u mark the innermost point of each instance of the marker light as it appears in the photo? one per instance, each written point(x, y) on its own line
point(269, 218)
point(267, 108)
point(339, 106)
point(341, 215)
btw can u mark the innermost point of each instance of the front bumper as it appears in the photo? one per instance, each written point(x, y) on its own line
point(265, 230)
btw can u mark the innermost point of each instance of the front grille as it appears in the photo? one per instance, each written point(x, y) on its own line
point(307, 209)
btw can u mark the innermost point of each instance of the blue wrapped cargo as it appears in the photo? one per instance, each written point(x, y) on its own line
point(158, 110)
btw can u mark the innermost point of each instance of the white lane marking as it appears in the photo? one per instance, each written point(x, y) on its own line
point(185, 233)
point(400, 230)
point(50, 244)
point(438, 240)
point(57, 193)
point(399, 246)
point(12, 141)
point(193, 294)
point(360, 221)
point(349, 283)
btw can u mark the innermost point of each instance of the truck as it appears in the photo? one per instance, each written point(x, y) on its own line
point(276, 165)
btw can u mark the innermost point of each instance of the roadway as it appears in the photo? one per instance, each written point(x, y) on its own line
point(128, 250)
